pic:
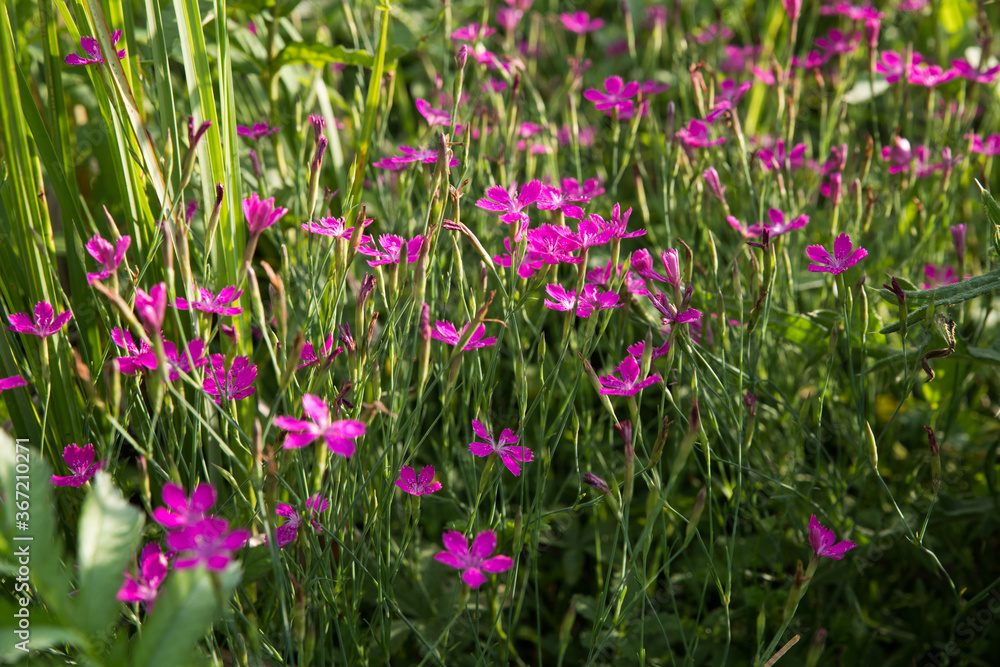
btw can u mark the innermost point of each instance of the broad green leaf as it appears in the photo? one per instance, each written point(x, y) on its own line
point(110, 530)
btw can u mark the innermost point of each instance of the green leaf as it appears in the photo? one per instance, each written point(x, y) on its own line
point(110, 530)
point(944, 296)
point(189, 602)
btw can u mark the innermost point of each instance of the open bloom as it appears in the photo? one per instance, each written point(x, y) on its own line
point(842, 258)
point(338, 435)
point(13, 382)
point(616, 95)
point(447, 333)
point(777, 158)
point(232, 384)
point(618, 223)
point(696, 135)
point(822, 541)
point(502, 447)
point(193, 356)
point(152, 571)
point(181, 511)
point(288, 531)
point(336, 227)
point(990, 145)
point(208, 542)
point(472, 563)
point(418, 485)
point(45, 324)
point(93, 49)
point(81, 463)
point(311, 356)
point(580, 22)
point(261, 214)
point(628, 384)
point(395, 250)
point(431, 115)
point(210, 303)
point(138, 358)
point(107, 255)
point(778, 224)
point(258, 131)
point(511, 203)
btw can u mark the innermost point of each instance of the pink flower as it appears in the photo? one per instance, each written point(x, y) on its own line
point(310, 357)
point(475, 563)
point(601, 276)
point(894, 66)
point(590, 233)
point(417, 485)
point(616, 97)
point(592, 299)
point(153, 565)
point(395, 249)
point(989, 146)
point(929, 75)
point(939, 276)
point(80, 461)
point(46, 322)
point(958, 240)
point(636, 350)
point(793, 8)
point(108, 256)
point(182, 511)
point(628, 384)
point(822, 541)
point(853, 12)
point(556, 199)
point(287, 532)
point(261, 214)
point(472, 32)
point(152, 306)
point(181, 362)
point(778, 224)
point(549, 244)
point(503, 447)
point(580, 22)
point(590, 189)
point(12, 382)
point(899, 155)
point(431, 115)
point(210, 303)
point(967, 71)
point(712, 32)
point(813, 60)
point(715, 186)
point(138, 358)
point(256, 132)
point(509, 202)
point(508, 18)
point(738, 58)
point(776, 158)
point(831, 188)
point(729, 95)
point(446, 333)
point(842, 258)
point(696, 135)
point(208, 542)
point(672, 314)
point(339, 435)
point(837, 42)
point(93, 49)
point(618, 223)
point(336, 227)
point(231, 385)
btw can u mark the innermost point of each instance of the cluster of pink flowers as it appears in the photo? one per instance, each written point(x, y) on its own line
point(288, 531)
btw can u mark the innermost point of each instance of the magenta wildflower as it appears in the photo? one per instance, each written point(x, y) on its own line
point(431, 115)
point(208, 542)
point(642, 263)
point(738, 58)
point(447, 333)
point(618, 223)
point(395, 250)
point(837, 42)
point(967, 71)
point(793, 8)
point(231, 385)
point(152, 306)
point(988, 146)
point(508, 17)
point(80, 461)
point(258, 131)
point(628, 384)
point(696, 135)
point(778, 224)
point(108, 256)
point(937, 276)
point(831, 188)
point(912, 5)
point(590, 188)
point(616, 95)
point(894, 66)
point(152, 571)
point(592, 480)
point(713, 32)
point(899, 155)
point(813, 60)
point(853, 12)
point(673, 314)
point(925, 74)
point(601, 276)
point(181, 362)
point(822, 541)
point(729, 95)
point(557, 199)
point(416, 485)
point(181, 511)
point(12, 382)
point(210, 303)
point(502, 447)
point(45, 324)
point(339, 435)
point(511, 203)
point(580, 22)
point(842, 258)
point(715, 186)
point(93, 49)
point(958, 239)
point(261, 214)
point(336, 227)
point(288, 531)
point(777, 158)
point(636, 349)
point(592, 299)
point(310, 357)
point(590, 233)
point(472, 32)
point(474, 563)
point(138, 358)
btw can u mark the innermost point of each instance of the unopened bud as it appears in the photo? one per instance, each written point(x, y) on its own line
point(871, 446)
point(715, 186)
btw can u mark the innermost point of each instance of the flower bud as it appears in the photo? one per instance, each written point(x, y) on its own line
point(935, 459)
point(871, 446)
point(715, 186)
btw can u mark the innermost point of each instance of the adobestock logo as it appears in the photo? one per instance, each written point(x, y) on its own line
point(966, 631)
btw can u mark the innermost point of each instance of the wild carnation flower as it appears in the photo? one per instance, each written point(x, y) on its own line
point(899, 155)
point(776, 158)
point(616, 95)
point(628, 384)
point(45, 324)
point(108, 256)
point(181, 511)
point(893, 65)
point(618, 223)
point(580, 22)
point(590, 233)
point(778, 224)
point(151, 306)
point(837, 42)
point(592, 299)
point(12, 382)
point(258, 131)
point(937, 276)
point(138, 358)
point(590, 188)
point(988, 146)
point(233, 385)
point(510, 203)
point(181, 362)
point(288, 531)
point(447, 333)
point(502, 447)
point(152, 571)
point(93, 49)
point(394, 250)
point(695, 135)
point(338, 435)
point(713, 32)
point(555, 199)
point(925, 74)
point(474, 563)
point(80, 461)
point(636, 349)
point(472, 32)
point(208, 542)
point(842, 258)
point(822, 541)
point(310, 357)
point(813, 60)
point(967, 71)
point(672, 314)
point(336, 227)
point(416, 485)
point(431, 115)
point(210, 303)
point(853, 12)
point(261, 214)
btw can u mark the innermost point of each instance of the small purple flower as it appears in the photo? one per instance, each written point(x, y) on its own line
point(447, 333)
point(967, 71)
point(45, 324)
point(208, 542)
point(793, 8)
point(695, 135)
point(258, 131)
point(616, 95)
point(853, 12)
point(822, 541)
point(813, 60)
point(778, 224)
point(556, 199)
point(287, 532)
point(672, 314)
point(832, 187)
point(776, 158)
point(431, 115)
point(988, 146)
point(108, 256)
point(210, 303)
point(715, 186)
point(842, 258)
point(93, 49)
point(416, 485)
point(958, 239)
point(144, 587)
point(181, 511)
point(395, 249)
point(580, 22)
point(628, 384)
point(592, 480)
point(511, 203)
point(138, 358)
point(894, 66)
point(472, 32)
point(837, 42)
point(502, 447)
point(337, 228)
point(636, 349)
point(261, 214)
point(338, 435)
point(231, 385)
point(310, 357)
point(12, 382)
point(80, 461)
point(474, 563)
point(179, 361)
point(925, 74)
point(152, 306)
point(618, 223)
